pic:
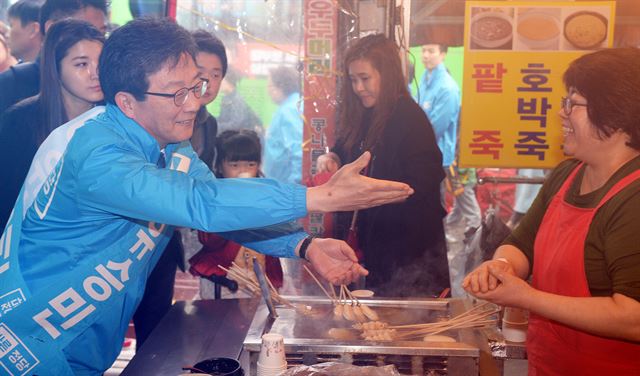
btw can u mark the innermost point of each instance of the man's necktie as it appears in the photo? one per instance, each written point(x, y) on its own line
point(161, 162)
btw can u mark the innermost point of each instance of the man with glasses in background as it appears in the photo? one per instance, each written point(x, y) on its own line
point(25, 37)
point(104, 214)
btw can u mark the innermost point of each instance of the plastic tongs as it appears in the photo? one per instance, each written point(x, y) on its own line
point(264, 288)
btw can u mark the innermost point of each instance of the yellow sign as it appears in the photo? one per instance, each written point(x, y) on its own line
point(515, 55)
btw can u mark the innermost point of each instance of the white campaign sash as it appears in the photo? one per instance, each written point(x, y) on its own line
point(35, 328)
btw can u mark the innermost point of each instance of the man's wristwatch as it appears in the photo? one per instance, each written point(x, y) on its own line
point(304, 246)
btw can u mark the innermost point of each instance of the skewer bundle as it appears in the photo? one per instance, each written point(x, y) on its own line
point(248, 281)
point(479, 316)
point(346, 305)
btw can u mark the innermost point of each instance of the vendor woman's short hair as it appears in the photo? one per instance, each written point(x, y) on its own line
point(610, 82)
point(139, 49)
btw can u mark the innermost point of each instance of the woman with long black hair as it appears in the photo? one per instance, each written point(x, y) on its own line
point(403, 243)
point(69, 86)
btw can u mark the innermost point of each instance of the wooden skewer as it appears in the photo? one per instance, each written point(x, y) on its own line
point(276, 295)
point(473, 317)
point(273, 289)
point(367, 312)
point(469, 319)
point(232, 272)
point(443, 324)
point(476, 308)
point(345, 297)
point(433, 330)
point(469, 313)
point(476, 317)
point(245, 277)
point(243, 271)
point(242, 274)
point(450, 325)
point(239, 273)
point(444, 329)
point(333, 291)
point(476, 322)
point(319, 284)
point(350, 295)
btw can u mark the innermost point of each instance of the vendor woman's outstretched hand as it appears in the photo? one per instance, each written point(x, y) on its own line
point(349, 190)
point(481, 280)
point(510, 289)
point(335, 261)
point(497, 282)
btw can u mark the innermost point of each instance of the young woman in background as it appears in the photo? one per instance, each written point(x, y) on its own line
point(403, 244)
point(69, 86)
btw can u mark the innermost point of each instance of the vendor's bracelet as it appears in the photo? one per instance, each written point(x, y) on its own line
point(304, 246)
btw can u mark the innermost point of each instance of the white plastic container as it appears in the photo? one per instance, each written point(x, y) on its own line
point(514, 324)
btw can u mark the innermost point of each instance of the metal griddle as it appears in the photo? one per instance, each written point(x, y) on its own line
point(307, 340)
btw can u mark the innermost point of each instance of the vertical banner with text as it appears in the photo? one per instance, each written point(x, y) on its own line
point(320, 38)
point(515, 55)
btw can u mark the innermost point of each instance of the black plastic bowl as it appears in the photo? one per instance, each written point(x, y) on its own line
point(219, 367)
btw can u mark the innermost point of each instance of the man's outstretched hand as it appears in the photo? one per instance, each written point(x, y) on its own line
point(349, 190)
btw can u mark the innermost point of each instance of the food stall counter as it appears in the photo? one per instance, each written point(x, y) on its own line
point(191, 332)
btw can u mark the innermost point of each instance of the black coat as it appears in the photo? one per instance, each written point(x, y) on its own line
point(403, 243)
point(19, 82)
point(18, 145)
point(205, 131)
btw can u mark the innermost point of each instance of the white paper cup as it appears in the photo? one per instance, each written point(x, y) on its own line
point(272, 351)
point(270, 371)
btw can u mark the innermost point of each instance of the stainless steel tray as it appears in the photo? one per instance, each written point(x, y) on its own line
point(307, 340)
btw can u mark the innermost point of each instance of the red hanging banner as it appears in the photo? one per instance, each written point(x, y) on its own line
point(320, 38)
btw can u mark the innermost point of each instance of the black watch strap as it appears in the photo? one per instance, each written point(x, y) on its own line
point(304, 246)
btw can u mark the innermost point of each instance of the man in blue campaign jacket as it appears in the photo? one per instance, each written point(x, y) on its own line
point(283, 143)
point(439, 97)
point(76, 258)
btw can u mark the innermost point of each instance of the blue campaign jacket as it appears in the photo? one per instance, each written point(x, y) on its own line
point(283, 145)
point(109, 183)
point(439, 97)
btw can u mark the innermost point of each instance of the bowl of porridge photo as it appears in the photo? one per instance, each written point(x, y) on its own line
point(538, 31)
point(585, 30)
point(491, 30)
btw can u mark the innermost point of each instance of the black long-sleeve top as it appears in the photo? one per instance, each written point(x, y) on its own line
point(403, 243)
point(18, 145)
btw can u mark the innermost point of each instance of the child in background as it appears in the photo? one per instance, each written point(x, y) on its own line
point(238, 156)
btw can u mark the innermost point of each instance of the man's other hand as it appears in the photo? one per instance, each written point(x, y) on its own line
point(335, 261)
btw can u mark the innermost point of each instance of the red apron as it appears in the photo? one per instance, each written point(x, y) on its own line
point(558, 268)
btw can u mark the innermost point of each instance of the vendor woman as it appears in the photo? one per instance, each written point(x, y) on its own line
point(580, 240)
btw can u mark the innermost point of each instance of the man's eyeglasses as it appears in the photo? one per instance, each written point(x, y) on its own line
point(180, 97)
point(567, 105)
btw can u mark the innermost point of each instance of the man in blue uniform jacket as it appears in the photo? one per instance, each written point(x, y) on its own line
point(76, 258)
